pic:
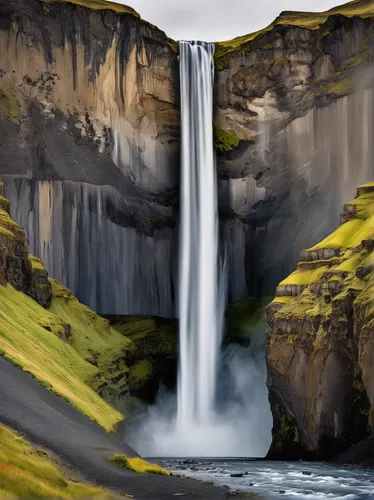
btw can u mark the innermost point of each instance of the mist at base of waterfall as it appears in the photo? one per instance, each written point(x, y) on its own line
point(240, 426)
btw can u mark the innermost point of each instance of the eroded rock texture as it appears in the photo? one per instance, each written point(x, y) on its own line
point(22, 271)
point(295, 120)
point(89, 142)
point(320, 342)
point(89, 149)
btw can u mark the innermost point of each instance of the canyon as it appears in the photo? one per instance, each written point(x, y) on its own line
point(90, 161)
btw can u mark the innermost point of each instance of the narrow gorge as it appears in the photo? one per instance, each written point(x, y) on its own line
point(162, 183)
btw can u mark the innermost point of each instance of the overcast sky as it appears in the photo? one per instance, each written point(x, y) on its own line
point(215, 20)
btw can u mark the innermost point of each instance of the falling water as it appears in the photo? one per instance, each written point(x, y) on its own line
point(229, 421)
point(200, 294)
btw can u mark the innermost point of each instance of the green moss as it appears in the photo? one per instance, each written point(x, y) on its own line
point(173, 45)
point(245, 318)
point(281, 61)
point(9, 105)
point(353, 62)
point(226, 140)
point(99, 5)
point(36, 263)
point(95, 341)
point(268, 46)
point(140, 374)
point(339, 88)
point(138, 465)
point(304, 277)
point(8, 227)
point(309, 20)
point(153, 337)
point(282, 300)
point(26, 472)
point(221, 63)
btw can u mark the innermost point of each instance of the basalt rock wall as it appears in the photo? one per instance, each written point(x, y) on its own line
point(89, 149)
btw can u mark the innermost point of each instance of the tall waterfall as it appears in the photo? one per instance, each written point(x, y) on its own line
point(201, 296)
point(231, 418)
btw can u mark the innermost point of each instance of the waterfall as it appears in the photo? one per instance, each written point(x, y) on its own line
point(222, 408)
point(201, 301)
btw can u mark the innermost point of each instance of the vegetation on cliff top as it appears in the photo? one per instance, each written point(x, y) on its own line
point(321, 324)
point(28, 472)
point(309, 20)
point(327, 282)
point(99, 5)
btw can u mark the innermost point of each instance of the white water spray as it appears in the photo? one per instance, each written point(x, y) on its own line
point(201, 298)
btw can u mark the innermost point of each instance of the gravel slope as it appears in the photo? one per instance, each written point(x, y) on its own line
point(48, 420)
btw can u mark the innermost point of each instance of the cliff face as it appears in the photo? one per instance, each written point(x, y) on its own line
point(89, 122)
point(89, 148)
point(294, 128)
point(320, 341)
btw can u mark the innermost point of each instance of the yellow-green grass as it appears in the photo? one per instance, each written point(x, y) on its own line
point(26, 472)
point(348, 238)
point(350, 264)
point(140, 373)
point(301, 277)
point(8, 227)
point(99, 5)
point(307, 304)
point(282, 300)
point(339, 88)
point(138, 465)
point(310, 20)
point(348, 235)
point(29, 337)
point(91, 336)
point(36, 263)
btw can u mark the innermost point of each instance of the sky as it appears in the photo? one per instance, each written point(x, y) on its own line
point(215, 20)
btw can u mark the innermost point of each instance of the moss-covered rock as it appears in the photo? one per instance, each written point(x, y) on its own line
point(309, 20)
point(227, 140)
point(320, 340)
point(99, 5)
point(245, 318)
point(155, 356)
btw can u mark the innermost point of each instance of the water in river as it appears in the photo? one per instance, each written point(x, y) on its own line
point(282, 480)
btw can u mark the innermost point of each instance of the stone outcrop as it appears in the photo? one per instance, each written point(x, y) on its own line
point(25, 273)
point(320, 343)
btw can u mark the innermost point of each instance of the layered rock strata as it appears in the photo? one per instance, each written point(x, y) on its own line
point(320, 342)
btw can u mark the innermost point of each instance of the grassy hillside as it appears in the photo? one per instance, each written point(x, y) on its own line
point(310, 20)
point(40, 343)
point(27, 472)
